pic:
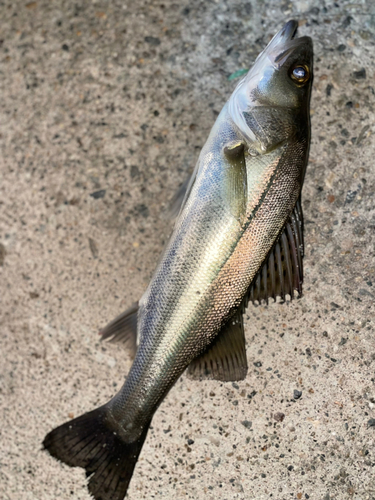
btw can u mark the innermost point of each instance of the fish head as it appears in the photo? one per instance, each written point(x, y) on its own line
point(273, 98)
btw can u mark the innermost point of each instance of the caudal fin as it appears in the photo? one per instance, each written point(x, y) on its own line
point(90, 441)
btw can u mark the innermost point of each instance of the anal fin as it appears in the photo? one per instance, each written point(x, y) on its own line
point(123, 328)
point(225, 358)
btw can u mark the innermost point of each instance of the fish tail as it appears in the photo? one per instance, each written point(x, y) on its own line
point(91, 441)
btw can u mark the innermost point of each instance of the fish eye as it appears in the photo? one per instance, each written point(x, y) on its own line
point(300, 74)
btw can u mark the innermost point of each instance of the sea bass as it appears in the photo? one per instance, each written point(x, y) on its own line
point(238, 237)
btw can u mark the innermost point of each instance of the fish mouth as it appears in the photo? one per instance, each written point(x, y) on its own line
point(287, 32)
point(272, 58)
point(278, 50)
point(283, 44)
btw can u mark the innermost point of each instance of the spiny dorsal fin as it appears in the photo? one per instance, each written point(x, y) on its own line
point(225, 358)
point(282, 271)
point(123, 328)
point(280, 275)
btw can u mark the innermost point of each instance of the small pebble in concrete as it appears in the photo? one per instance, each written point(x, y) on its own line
point(2, 254)
point(152, 40)
point(297, 394)
point(361, 74)
point(246, 423)
point(279, 416)
point(98, 194)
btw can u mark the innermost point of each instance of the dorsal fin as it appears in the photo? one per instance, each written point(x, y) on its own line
point(282, 272)
point(225, 357)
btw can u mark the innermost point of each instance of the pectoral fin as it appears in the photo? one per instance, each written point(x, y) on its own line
point(236, 187)
point(225, 358)
point(282, 272)
point(236, 179)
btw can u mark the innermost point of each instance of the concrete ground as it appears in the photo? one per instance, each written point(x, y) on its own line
point(104, 107)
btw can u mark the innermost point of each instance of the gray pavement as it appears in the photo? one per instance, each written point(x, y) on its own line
point(104, 107)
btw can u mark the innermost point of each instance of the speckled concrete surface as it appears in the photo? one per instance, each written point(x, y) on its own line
point(104, 108)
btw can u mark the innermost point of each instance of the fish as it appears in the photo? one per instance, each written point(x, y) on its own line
point(238, 238)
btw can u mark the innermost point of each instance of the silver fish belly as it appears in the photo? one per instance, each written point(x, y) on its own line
point(241, 198)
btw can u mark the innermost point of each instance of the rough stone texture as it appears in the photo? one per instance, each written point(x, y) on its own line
point(104, 108)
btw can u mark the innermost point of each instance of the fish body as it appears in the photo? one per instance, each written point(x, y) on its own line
point(245, 187)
